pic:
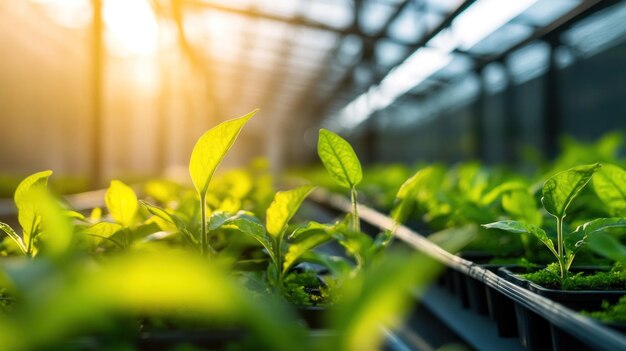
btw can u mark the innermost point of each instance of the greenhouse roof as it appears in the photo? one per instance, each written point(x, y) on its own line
point(341, 58)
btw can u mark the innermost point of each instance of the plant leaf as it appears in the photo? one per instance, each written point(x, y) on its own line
point(574, 240)
point(307, 242)
point(103, 230)
point(336, 264)
point(57, 230)
point(284, 206)
point(121, 201)
point(171, 218)
point(339, 159)
point(406, 197)
point(520, 228)
point(610, 186)
point(13, 235)
point(559, 191)
point(28, 215)
point(246, 223)
point(521, 205)
point(608, 246)
point(211, 148)
point(311, 228)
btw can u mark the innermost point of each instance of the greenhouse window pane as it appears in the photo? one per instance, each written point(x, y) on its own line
point(502, 39)
point(529, 62)
point(285, 8)
point(408, 26)
point(389, 53)
point(374, 15)
point(350, 50)
point(483, 18)
point(544, 12)
point(335, 13)
point(599, 31)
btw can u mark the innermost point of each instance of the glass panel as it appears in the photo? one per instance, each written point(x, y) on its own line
point(529, 62)
point(408, 26)
point(544, 12)
point(389, 53)
point(335, 13)
point(598, 32)
point(374, 15)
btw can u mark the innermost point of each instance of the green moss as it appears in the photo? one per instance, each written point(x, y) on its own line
point(604, 280)
point(610, 313)
point(306, 289)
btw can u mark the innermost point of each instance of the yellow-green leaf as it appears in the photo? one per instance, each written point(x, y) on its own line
point(13, 235)
point(339, 159)
point(284, 206)
point(211, 149)
point(57, 230)
point(121, 201)
point(559, 191)
point(312, 239)
point(610, 186)
point(28, 215)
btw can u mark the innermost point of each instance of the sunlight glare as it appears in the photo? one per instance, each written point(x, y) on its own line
point(132, 27)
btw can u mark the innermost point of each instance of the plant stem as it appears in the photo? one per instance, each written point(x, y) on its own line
point(356, 225)
point(203, 238)
point(560, 246)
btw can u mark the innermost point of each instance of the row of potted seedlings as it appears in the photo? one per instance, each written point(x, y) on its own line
point(559, 238)
point(227, 263)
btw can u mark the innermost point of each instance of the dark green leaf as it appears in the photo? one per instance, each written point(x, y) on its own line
point(560, 190)
point(304, 245)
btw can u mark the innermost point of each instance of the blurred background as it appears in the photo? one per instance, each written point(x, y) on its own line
point(95, 89)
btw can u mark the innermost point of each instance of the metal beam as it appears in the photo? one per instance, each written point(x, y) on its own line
point(294, 21)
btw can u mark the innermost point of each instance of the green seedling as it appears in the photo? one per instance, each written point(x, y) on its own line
point(46, 226)
point(343, 165)
point(558, 193)
point(29, 213)
point(207, 154)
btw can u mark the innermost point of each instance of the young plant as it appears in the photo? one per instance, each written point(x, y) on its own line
point(343, 165)
point(558, 193)
point(207, 154)
point(46, 225)
point(29, 212)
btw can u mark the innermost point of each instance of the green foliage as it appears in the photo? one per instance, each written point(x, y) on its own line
point(339, 159)
point(211, 148)
point(121, 201)
point(610, 186)
point(29, 215)
point(343, 165)
point(560, 190)
point(283, 208)
point(549, 277)
point(607, 246)
point(558, 193)
point(207, 154)
point(524, 228)
point(610, 313)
